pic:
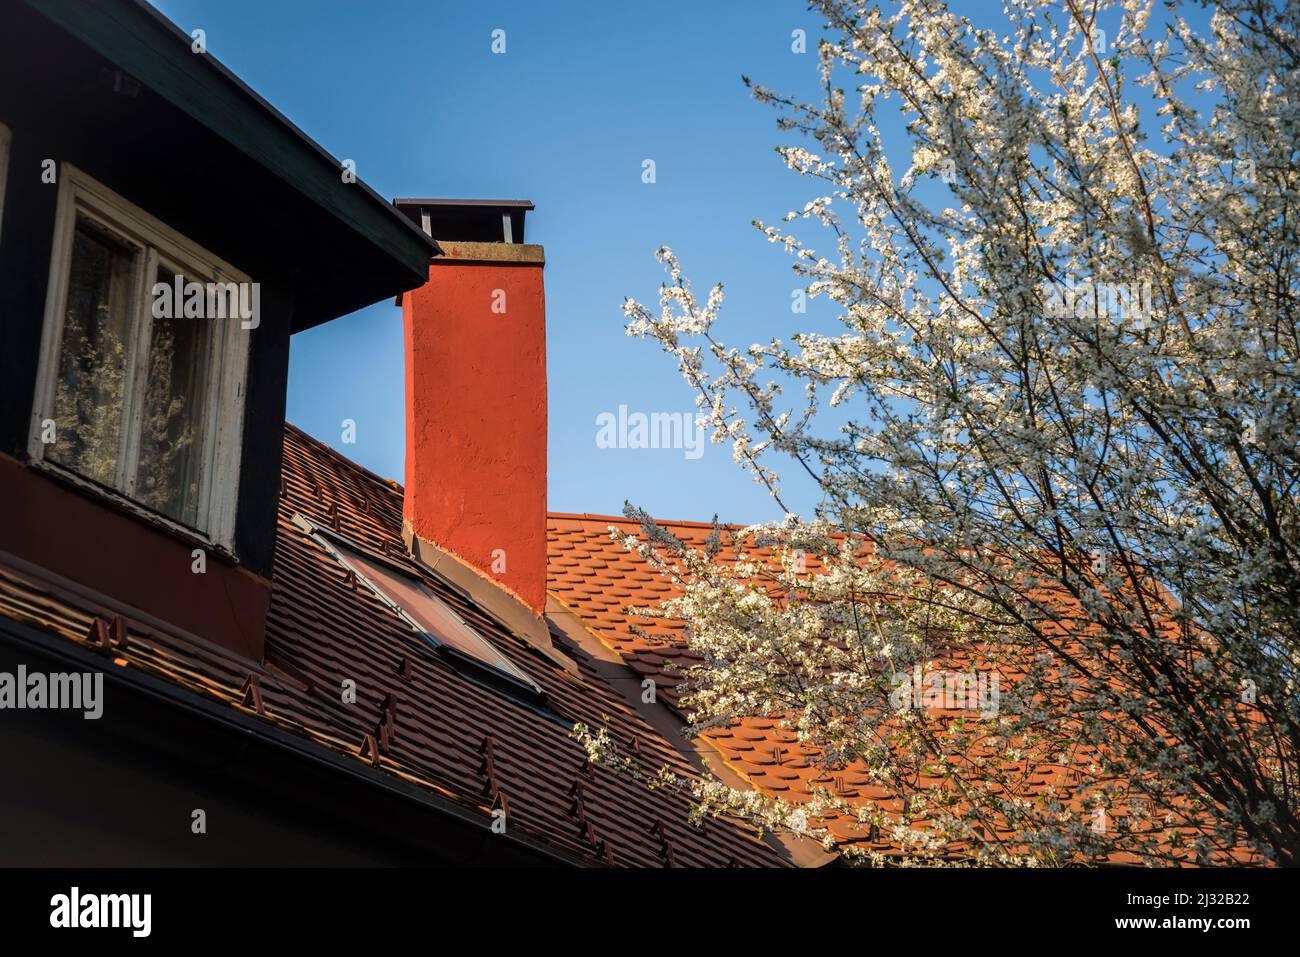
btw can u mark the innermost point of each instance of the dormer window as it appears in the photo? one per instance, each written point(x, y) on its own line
point(140, 390)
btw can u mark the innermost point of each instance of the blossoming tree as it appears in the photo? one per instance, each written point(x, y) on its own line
point(1065, 401)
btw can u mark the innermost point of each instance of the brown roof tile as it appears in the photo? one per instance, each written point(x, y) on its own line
point(429, 728)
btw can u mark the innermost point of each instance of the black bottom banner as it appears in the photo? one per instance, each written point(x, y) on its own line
point(262, 906)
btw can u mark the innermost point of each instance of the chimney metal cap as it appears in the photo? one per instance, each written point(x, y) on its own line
point(468, 220)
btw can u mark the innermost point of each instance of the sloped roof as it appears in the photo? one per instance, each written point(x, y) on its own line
point(599, 580)
point(437, 728)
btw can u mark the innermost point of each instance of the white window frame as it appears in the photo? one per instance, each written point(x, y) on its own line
point(81, 195)
point(5, 138)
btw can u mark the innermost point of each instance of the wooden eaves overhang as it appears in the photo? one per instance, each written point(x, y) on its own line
point(386, 252)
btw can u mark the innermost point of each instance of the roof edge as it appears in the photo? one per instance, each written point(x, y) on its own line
point(127, 33)
point(624, 520)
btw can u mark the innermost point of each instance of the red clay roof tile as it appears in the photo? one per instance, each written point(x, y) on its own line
point(757, 748)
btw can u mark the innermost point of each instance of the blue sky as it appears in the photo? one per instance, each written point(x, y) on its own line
point(584, 93)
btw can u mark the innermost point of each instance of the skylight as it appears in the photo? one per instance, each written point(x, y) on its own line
point(425, 612)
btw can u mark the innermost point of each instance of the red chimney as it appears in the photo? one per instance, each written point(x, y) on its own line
point(476, 398)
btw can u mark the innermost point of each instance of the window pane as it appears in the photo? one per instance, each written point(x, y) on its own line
point(174, 420)
point(90, 395)
point(436, 618)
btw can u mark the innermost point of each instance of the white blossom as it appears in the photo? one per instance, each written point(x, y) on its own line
point(989, 444)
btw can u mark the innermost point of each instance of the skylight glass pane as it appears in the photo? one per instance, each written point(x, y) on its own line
point(430, 613)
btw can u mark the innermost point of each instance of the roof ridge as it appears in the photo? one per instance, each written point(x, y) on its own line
point(624, 520)
point(392, 485)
